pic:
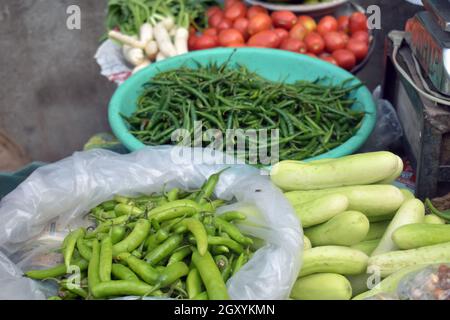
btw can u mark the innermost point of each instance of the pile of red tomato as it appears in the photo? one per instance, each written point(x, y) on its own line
point(343, 41)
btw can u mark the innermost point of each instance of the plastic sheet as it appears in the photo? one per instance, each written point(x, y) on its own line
point(35, 217)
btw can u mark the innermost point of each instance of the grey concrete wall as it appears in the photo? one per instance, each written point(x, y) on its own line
point(52, 98)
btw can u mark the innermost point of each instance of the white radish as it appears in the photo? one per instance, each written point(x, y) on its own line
point(173, 32)
point(168, 23)
point(146, 33)
point(181, 40)
point(146, 63)
point(125, 39)
point(164, 42)
point(151, 50)
point(136, 56)
point(160, 56)
point(125, 49)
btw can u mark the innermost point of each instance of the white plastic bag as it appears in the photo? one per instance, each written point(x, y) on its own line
point(60, 194)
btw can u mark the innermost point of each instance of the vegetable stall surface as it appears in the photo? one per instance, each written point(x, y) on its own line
point(312, 117)
point(335, 199)
point(162, 236)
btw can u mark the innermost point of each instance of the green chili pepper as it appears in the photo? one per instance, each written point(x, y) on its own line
point(232, 216)
point(121, 272)
point(175, 209)
point(193, 283)
point(84, 250)
point(144, 270)
point(70, 244)
point(444, 214)
point(201, 296)
point(240, 261)
point(117, 233)
point(75, 289)
point(179, 255)
point(55, 272)
point(221, 241)
point(172, 273)
point(121, 288)
point(199, 232)
point(211, 276)
point(164, 250)
point(208, 188)
point(134, 239)
point(105, 263)
point(173, 195)
point(232, 231)
point(94, 266)
point(127, 210)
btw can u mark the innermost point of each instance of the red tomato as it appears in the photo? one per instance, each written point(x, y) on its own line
point(224, 24)
point(206, 42)
point(215, 19)
point(333, 41)
point(315, 43)
point(344, 36)
point(212, 11)
point(358, 22)
point(254, 10)
point(345, 59)
point(258, 23)
point(236, 45)
point(327, 24)
point(230, 36)
point(308, 22)
point(344, 24)
point(192, 42)
point(361, 36)
point(265, 39)
point(359, 48)
point(282, 33)
point(284, 19)
point(237, 10)
point(241, 24)
point(298, 32)
point(211, 32)
point(229, 3)
point(328, 58)
point(293, 45)
point(310, 54)
point(192, 30)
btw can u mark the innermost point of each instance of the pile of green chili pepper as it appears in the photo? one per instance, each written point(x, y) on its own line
point(312, 117)
point(169, 246)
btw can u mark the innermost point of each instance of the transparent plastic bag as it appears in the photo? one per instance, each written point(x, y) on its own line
point(60, 194)
point(388, 130)
point(431, 283)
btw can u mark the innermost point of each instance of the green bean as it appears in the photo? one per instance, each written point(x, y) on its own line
point(164, 250)
point(211, 276)
point(105, 263)
point(121, 272)
point(55, 272)
point(134, 239)
point(193, 283)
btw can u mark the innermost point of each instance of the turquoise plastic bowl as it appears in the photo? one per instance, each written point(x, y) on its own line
point(272, 64)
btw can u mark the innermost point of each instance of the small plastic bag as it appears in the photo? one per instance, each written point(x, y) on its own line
point(56, 197)
point(431, 283)
point(388, 130)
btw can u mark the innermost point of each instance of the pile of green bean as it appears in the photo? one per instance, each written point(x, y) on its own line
point(168, 246)
point(312, 117)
